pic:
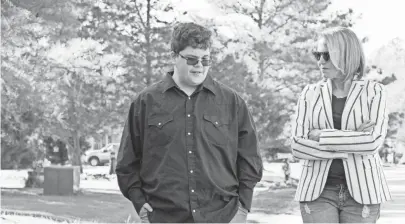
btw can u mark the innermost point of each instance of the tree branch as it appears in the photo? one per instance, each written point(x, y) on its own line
point(139, 14)
point(278, 8)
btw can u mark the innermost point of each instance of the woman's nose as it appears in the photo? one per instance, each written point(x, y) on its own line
point(321, 61)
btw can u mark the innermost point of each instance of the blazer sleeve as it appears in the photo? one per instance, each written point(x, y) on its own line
point(361, 142)
point(302, 147)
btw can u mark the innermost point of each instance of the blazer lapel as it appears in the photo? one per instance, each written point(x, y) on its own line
point(354, 93)
point(326, 99)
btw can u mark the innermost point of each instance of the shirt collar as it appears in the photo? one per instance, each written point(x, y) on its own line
point(169, 83)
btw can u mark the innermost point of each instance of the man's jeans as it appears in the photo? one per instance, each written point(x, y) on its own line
point(336, 205)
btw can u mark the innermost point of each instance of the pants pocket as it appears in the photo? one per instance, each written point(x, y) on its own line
point(319, 212)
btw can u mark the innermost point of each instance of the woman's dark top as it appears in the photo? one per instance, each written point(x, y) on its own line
point(336, 172)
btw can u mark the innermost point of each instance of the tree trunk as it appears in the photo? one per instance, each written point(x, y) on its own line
point(148, 44)
point(74, 98)
point(76, 152)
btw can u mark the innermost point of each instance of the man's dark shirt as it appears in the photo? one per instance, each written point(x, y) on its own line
point(191, 158)
point(337, 171)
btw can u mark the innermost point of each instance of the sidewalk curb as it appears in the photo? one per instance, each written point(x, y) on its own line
point(37, 215)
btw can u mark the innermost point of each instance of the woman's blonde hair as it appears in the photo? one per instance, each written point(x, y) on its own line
point(345, 50)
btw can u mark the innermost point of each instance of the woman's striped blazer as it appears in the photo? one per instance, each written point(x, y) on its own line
point(359, 150)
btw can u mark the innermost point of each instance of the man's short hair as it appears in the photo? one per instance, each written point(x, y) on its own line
point(190, 34)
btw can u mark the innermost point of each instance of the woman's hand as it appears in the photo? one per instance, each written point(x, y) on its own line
point(366, 126)
point(314, 134)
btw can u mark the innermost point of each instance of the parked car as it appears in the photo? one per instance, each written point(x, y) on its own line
point(97, 157)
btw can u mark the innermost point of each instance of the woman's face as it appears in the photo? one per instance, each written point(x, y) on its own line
point(325, 64)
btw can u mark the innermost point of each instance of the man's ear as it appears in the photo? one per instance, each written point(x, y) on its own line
point(173, 58)
point(174, 55)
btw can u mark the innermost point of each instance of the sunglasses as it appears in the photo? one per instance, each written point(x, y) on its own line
point(318, 55)
point(194, 61)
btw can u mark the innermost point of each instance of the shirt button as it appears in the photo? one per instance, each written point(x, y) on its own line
point(191, 171)
point(159, 123)
point(190, 152)
point(189, 98)
point(194, 210)
point(189, 133)
point(188, 115)
point(192, 191)
point(216, 122)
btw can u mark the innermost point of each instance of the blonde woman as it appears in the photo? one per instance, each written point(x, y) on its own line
point(340, 124)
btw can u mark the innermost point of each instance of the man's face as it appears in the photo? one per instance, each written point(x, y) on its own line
point(192, 66)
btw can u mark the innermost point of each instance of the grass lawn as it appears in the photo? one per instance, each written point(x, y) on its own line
point(114, 208)
point(88, 206)
point(276, 202)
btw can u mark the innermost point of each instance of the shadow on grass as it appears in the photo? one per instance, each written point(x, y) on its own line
point(280, 201)
point(86, 206)
point(114, 208)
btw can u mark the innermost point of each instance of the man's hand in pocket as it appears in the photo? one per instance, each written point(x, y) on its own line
point(241, 215)
point(143, 213)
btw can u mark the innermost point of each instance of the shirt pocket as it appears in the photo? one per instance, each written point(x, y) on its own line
point(160, 130)
point(216, 129)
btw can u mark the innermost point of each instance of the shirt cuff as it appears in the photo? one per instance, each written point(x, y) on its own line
point(137, 198)
point(245, 196)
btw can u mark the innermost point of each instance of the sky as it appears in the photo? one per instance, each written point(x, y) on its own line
point(382, 20)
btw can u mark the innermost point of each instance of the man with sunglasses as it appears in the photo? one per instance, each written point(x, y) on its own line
point(189, 148)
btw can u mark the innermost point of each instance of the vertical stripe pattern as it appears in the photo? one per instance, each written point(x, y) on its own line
point(363, 170)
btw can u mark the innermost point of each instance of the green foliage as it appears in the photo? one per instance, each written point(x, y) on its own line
point(273, 40)
point(396, 120)
point(56, 151)
point(67, 81)
point(19, 145)
point(134, 29)
point(70, 68)
point(20, 102)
